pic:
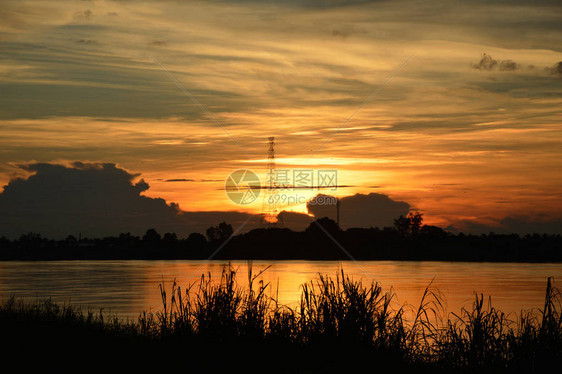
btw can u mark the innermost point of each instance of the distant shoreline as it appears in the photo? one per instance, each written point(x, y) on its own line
point(284, 244)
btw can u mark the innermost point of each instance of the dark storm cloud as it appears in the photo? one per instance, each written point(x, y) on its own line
point(100, 199)
point(95, 199)
point(372, 210)
point(295, 221)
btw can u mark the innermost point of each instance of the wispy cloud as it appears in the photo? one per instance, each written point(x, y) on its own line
point(453, 133)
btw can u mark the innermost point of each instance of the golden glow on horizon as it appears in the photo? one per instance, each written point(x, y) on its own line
point(457, 142)
point(313, 161)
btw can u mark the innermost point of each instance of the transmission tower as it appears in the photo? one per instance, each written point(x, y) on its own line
point(270, 196)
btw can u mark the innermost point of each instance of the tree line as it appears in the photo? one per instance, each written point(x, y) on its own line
point(323, 239)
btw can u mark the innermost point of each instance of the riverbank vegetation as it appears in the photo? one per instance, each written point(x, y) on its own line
point(322, 240)
point(341, 324)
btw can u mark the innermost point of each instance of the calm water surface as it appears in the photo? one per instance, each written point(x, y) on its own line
point(130, 287)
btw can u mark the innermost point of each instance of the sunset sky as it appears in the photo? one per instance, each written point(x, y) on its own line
point(464, 121)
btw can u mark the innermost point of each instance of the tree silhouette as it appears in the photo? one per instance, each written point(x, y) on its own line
point(402, 225)
point(126, 237)
point(327, 224)
point(31, 240)
point(409, 225)
point(196, 240)
point(151, 236)
point(170, 237)
point(219, 233)
point(71, 241)
point(416, 220)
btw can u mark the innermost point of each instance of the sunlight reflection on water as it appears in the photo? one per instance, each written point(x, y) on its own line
point(129, 287)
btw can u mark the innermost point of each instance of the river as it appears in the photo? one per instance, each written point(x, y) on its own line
point(127, 288)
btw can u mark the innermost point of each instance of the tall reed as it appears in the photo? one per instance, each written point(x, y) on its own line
point(335, 314)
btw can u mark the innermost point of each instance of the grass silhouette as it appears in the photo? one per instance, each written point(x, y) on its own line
point(339, 324)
